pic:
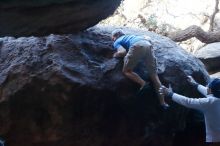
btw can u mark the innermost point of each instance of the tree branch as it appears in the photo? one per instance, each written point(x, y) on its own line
point(212, 18)
point(195, 31)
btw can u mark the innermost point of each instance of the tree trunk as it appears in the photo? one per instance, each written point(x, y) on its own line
point(212, 17)
point(195, 31)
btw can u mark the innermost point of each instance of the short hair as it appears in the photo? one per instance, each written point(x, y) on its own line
point(117, 33)
point(215, 87)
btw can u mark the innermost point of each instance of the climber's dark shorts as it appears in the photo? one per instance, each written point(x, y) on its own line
point(141, 49)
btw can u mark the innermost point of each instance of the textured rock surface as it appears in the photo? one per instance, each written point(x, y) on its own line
point(215, 75)
point(67, 90)
point(43, 17)
point(210, 56)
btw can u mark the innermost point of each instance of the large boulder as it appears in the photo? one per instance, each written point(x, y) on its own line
point(43, 17)
point(68, 90)
point(210, 56)
point(215, 75)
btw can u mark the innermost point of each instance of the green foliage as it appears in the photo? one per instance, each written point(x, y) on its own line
point(151, 22)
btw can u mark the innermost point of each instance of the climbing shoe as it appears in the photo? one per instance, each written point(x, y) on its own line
point(165, 106)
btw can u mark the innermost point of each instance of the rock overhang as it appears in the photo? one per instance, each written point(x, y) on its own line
point(41, 18)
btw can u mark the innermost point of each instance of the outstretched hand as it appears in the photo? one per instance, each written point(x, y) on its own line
point(191, 81)
point(167, 92)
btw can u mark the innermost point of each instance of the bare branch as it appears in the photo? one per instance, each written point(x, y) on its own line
point(212, 18)
point(195, 31)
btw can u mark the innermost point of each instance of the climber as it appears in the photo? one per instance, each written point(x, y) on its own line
point(133, 48)
point(209, 106)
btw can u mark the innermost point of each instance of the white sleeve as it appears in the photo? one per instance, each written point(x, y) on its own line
point(202, 89)
point(195, 103)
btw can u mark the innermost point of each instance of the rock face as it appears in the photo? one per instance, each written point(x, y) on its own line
point(67, 90)
point(210, 56)
point(215, 75)
point(43, 17)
